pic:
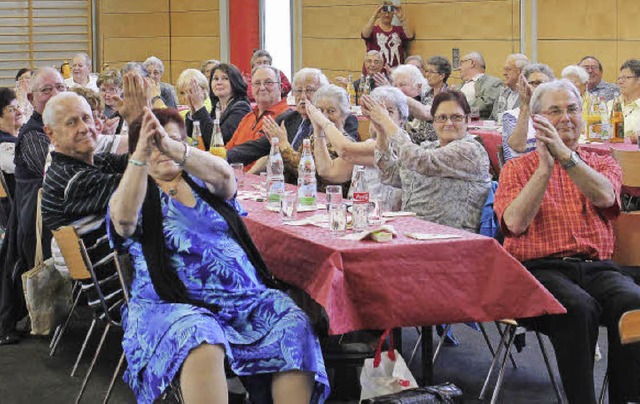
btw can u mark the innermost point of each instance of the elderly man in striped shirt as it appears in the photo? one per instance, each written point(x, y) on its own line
point(556, 207)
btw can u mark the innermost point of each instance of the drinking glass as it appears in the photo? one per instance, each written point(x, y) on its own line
point(375, 210)
point(238, 170)
point(474, 116)
point(289, 206)
point(333, 195)
point(263, 185)
point(338, 219)
point(360, 216)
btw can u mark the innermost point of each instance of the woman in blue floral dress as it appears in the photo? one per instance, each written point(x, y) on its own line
point(201, 292)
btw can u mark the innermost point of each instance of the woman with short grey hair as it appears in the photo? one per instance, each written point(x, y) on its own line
point(156, 69)
point(413, 84)
point(578, 76)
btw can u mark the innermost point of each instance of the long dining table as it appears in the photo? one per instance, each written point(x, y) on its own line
point(404, 282)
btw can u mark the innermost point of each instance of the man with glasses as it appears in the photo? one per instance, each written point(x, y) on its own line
point(373, 69)
point(480, 89)
point(509, 97)
point(556, 208)
point(296, 123)
point(629, 83)
point(596, 85)
point(265, 86)
point(18, 250)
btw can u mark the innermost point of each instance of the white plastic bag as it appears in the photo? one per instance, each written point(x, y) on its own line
point(386, 373)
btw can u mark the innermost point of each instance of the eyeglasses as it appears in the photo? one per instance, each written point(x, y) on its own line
point(572, 110)
point(590, 68)
point(625, 78)
point(308, 91)
point(49, 89)
point(455, 118)
point(432, 72)
point(268, 84)
point(373, 61)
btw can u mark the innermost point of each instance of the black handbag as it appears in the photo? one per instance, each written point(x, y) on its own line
point(447, 393)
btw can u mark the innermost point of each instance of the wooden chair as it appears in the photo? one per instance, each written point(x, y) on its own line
point(629, 327)
point(627, 231)
point(4, 190)
point(629, 161)
point(97, 282)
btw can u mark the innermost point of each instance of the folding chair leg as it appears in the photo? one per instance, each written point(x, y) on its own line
point(486, 339)
point(415, 348)
point(61, 329)
point(93, 362)
point(113, 379)
point(496, 389)
point(556, 388)
point(84, 345)
point(494, 362)
point(441, 342)
point(605, 385)
point(513, 361)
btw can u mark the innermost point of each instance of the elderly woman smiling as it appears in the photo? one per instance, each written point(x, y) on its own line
point(445, 181)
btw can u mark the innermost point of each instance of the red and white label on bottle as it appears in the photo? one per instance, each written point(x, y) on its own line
point(361, 197)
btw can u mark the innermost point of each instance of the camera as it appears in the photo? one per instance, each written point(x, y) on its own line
point(389, 9)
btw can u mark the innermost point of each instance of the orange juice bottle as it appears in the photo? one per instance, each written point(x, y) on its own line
point(217, 145)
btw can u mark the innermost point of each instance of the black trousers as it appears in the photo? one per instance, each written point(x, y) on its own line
point(593, 293)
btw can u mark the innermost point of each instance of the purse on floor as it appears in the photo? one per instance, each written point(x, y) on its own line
point(47, 294)
point(447, 393)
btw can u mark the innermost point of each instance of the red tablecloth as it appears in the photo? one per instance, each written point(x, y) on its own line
point(603, 148)
point(364, 284)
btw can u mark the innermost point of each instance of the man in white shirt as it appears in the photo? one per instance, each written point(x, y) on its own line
point(629, 83)
point(81, 73)
point(480, 89)
point(509, 97)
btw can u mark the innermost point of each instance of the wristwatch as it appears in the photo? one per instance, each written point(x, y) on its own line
point(573, 160)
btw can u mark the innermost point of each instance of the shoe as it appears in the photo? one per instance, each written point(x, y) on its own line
point(9, 338)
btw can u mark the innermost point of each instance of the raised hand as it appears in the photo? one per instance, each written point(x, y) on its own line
point(525, 90)
point(110, 126)
point(317, 118)
point(271, 129)
point(147, 141)
point(136, 97)
point(381, 80)
point(547, 134)
point(195, 97)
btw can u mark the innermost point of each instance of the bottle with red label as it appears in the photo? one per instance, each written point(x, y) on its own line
point(360, 191)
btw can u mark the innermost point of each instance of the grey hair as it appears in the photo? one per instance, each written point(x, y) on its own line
point(137, 66)
point(152, 60)
point(577, 71)
point(38, 72)
point(50, 113)
point(184, 79)
point(390, 93)
point(373, 52)
point(477, 57)
point(336, 93)
point(417, 58)
point(275, 71)
point(539, 68)
point(86, 58)
point(260, 53)
point(206, 63)
point(412, 72)
point(520, 60)
point(633, 65)
point(308, 72)
point(555, 85)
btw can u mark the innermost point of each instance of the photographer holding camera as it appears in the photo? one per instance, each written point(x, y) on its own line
point(379, 34)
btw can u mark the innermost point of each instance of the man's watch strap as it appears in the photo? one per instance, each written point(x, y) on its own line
point(573, 160)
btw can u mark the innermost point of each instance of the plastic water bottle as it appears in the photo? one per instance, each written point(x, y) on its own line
point(307, 185)
point(275, 175)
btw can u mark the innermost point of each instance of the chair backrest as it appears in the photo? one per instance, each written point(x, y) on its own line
point(125, 272)
point(627, 231)
point(629, 327)
point(629, 160)
point(68, 242)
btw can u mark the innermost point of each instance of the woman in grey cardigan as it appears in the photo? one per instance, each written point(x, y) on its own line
point(445, 181)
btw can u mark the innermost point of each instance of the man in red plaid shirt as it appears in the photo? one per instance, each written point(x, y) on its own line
point(556, 207)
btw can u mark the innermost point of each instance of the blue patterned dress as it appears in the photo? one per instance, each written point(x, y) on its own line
point(261, 329)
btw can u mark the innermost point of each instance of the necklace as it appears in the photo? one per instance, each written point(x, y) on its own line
point(171, 187)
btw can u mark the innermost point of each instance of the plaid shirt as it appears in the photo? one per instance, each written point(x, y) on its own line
point(567, 223)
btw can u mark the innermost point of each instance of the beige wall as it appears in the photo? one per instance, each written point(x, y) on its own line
point(182, 33)
point(567, 30)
